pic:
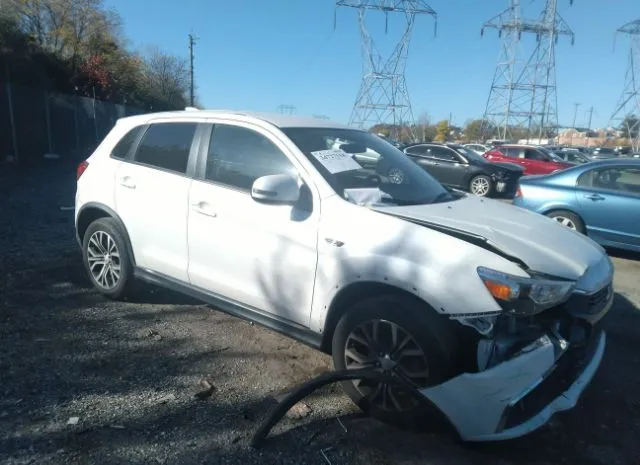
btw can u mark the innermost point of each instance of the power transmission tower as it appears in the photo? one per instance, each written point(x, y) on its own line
point(383, 96)
point(287, 109)
point(627, 112)
point(523, 100)
point(192, 41)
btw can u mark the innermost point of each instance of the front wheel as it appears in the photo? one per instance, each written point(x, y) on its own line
point(480, 185)
point(400, 336)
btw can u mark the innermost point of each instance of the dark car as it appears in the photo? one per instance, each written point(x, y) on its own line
point(456, 166)
point(572, 156)
point(603, 153)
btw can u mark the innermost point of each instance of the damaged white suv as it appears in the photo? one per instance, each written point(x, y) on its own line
point(334, 237)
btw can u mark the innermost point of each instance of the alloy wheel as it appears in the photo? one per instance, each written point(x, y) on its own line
point(386, 345)
point(480, 186)
point(104, 260)
point(564, 221)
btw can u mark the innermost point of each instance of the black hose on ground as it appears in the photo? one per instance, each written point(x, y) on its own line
point(314, 384)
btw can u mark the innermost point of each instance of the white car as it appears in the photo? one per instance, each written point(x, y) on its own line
point(488, 310)
point(478, 148)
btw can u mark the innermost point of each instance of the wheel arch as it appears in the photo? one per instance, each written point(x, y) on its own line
point(93, 211)
point(352, 293)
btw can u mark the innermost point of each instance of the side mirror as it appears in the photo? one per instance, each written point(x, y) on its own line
point(276, 188)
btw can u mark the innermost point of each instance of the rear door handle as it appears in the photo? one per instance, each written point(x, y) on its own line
point(127, 182)
point(203, 208)
point(595, 197)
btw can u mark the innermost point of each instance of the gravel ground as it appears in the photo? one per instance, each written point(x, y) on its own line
point(128, 372)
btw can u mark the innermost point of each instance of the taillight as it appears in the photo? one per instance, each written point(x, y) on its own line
point(82, 167)
point(518, 192)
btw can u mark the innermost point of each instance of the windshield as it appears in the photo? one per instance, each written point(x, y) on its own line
point(365, 169)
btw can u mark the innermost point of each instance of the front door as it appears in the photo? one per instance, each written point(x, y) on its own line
point(261, 255)
point(609, 201)
point(151, 197)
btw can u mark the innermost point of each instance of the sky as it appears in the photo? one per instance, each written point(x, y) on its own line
point(259, 54)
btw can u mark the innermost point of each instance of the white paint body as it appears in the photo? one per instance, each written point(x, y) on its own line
point(285, 263)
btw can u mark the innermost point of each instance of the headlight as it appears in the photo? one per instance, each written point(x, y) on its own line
point(525, 296)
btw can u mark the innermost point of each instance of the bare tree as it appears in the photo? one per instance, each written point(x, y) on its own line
point(167, 77)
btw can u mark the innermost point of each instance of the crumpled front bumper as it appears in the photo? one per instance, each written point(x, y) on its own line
point(521, 394)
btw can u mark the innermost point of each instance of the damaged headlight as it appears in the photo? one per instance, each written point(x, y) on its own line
point(525, 296)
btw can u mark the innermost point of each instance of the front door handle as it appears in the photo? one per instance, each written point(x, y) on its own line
point(127, 182)
point(595, 197)
point(203, 208)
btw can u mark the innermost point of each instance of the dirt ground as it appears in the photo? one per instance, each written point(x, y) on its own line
point(128, 372)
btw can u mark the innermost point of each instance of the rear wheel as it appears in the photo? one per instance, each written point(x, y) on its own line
point(397, 334)
point(568, 219)
point(106, 258)
point(480, 185)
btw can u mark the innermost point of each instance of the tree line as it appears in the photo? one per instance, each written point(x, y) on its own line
point(78, 47)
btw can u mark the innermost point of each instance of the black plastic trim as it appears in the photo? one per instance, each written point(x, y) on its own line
point(111, 213)
point(288, 328)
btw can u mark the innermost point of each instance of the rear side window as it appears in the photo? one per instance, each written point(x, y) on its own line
point(123, 148)
point(417, 150)
point(167, 146)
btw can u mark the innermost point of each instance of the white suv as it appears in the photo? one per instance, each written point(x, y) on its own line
point(334, 237)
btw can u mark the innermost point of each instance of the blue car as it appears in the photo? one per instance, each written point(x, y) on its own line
point(600, 199)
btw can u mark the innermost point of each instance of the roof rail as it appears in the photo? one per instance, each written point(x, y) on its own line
point(190, 109)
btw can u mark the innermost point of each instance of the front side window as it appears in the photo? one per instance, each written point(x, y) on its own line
point(167, 146)
point(238, 156)
point(620, 179)
point(366, 170)
point(123, 147)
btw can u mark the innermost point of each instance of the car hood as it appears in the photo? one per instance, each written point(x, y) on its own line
point(541, 244)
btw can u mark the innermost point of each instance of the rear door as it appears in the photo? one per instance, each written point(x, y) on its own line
point(609, 201)
point(151, 196)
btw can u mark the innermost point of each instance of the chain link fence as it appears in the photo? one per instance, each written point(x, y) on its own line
point(35, 123)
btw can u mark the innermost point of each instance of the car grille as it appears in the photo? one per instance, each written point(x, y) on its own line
point(569, 367)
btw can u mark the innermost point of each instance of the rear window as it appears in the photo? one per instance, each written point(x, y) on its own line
point(167, 146)
point(123, 147)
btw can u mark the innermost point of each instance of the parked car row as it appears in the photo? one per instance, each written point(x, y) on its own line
point(600, 199)
point(331, 235)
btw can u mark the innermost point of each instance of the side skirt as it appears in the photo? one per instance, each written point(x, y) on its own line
point(287, 328)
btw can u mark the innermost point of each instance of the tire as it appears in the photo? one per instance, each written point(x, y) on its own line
point(429, 333)
point(481, 181)
point(102, 234)
point(568, 219)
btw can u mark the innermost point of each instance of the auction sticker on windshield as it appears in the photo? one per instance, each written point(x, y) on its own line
point(336, 161)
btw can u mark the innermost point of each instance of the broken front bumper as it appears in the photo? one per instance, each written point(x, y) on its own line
point(521, 394)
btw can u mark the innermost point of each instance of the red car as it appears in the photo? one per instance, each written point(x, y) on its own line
point(534, 160)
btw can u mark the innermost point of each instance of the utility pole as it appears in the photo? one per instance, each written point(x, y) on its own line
point(192, 41)
point(575, 116)
point(589, 125)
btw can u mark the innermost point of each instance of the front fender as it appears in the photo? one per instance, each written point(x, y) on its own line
point(447, 280)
